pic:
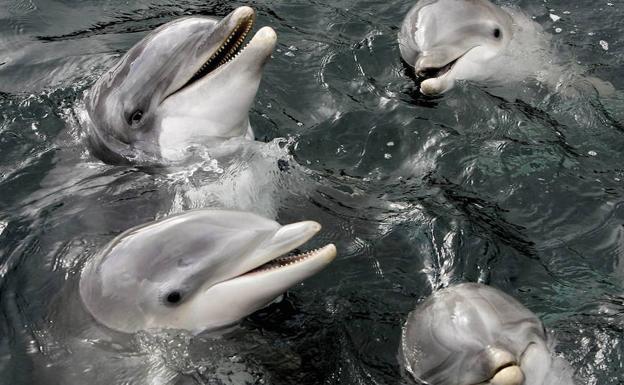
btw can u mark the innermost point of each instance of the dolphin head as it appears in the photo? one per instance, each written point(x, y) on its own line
point(188, 82)
point(201, 270)
point(448, 40)
point(472, 334)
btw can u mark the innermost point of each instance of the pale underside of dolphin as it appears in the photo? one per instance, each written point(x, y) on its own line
point(472, 334)
point(197, 271)
point(446, 41)
point(189, 83)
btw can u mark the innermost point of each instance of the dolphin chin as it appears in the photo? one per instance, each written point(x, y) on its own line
point(472, 334)
point(199, 271)
point(191, 82)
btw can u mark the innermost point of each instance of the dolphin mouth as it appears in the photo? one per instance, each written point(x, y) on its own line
point(509, 374)
point(328, 252)
point(436, 72)
point(230, 48)
point(431, 72)
point(502, 368)
point(274, 267)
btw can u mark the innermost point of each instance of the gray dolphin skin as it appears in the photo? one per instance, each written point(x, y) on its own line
point(199, 271)
point(189, 82)
point(449, 40)
point(473, 334)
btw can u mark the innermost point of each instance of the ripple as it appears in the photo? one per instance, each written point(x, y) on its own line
point(520, 188)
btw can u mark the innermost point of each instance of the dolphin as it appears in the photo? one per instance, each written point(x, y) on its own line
point(472, 334)
point(449, 40)
point(202, 270)
point(189, 82)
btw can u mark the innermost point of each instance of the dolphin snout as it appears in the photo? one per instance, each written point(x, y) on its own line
point(511, 375)
point(507, 371)
point(243, 12)
point(266, 34)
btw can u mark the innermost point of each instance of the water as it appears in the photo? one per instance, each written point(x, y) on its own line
point(519, 189)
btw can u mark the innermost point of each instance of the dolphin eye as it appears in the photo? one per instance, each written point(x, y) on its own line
point(497, 33)
point(136, 117)
point(173, 298)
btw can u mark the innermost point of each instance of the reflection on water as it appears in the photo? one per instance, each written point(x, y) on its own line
point(519, 187)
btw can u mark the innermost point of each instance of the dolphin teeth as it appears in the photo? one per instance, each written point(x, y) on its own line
point(229, 49)
point(284, 261)
point(433, 72)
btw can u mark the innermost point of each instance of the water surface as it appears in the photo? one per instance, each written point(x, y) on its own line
point(518, 188)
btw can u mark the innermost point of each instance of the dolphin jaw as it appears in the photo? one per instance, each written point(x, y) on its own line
point(258, 279)
point(436, 79)
point(229, 48)
point(274, 252)
point(327, 253)
point(506, 368)
point(223, 304)
point(215, 107)
point(508, 375)
point(260, 48)
point(436, 72)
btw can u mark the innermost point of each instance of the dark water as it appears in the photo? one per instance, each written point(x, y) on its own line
point(523, 191)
